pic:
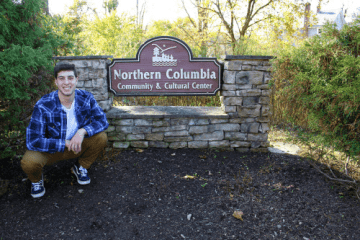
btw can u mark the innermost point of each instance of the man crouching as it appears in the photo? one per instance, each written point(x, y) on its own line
point(65, 124)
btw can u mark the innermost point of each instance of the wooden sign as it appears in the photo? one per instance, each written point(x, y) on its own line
point(164, 66)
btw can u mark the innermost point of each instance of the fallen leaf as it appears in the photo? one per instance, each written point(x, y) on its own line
point(189, 176)
point(238, 215)
point(203, 156)
point(139, 150)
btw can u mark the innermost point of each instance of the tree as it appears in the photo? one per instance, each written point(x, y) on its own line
point(115, 35)
point(202, 23)
point(239, 17)
point(110, 5)
point(26, 50)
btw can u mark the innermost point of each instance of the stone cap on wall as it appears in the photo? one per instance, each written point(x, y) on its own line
point(82, 57)
point(247, 57)
point(165, 111)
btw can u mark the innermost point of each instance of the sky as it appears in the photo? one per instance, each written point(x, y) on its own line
point(171, 9)
point(155, 9)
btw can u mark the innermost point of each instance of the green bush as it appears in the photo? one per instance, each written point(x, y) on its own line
point(317, 87)
point(26, 49)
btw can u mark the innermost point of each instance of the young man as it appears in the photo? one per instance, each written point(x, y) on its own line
point(65, 124)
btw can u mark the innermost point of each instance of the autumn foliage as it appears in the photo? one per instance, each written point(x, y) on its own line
point(317, 86)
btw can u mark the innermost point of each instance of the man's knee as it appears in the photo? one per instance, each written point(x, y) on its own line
point(100, 139)
point(31, 161)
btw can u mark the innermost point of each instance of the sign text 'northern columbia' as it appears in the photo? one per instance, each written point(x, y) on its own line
point(170, 74)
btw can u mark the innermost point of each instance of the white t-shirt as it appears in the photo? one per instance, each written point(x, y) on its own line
point(72, 125)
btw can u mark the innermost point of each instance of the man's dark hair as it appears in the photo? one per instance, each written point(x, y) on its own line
point(64, 67)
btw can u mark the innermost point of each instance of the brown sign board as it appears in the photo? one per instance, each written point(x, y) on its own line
point(164, 66)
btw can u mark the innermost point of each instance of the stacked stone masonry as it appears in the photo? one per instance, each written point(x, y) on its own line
point(241, 124)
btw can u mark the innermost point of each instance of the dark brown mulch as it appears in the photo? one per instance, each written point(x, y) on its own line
point(144, 195)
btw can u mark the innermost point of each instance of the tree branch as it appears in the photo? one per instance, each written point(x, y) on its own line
point(192, 22)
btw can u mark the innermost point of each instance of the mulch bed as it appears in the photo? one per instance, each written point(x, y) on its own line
point(181, 194)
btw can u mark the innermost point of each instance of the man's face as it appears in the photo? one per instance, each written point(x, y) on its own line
point(66, 82)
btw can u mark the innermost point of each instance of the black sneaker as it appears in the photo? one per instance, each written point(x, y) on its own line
point(38, 189)
point(81, 175)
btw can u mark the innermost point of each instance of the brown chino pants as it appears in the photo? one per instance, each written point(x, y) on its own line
point(33, 162)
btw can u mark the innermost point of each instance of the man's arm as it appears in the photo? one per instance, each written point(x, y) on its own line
point(99, 121)
point(75, 143)
point(35, 134)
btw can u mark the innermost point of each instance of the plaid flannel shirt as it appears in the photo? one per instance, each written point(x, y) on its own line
point(47, 129)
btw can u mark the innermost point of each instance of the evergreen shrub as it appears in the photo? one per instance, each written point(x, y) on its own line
point(25, 70)
point(317, 86)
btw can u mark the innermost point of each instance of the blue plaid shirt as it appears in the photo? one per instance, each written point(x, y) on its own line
point(47, 129)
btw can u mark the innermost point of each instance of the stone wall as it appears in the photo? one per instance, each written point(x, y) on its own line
point(240, 124)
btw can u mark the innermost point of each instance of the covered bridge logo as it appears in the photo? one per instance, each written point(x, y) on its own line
point(164, 66)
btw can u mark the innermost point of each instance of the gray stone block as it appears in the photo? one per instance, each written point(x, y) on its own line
point(98, 83)
point(261, 137)
point(176, 145)
point(228, 93)
point(249, 93)
point(121, 144)
point(228, 127)
point(80, 84)
point(198, 144)
point(230, 109)
point(117, 137)
point(249, 78)
point(181, 121)
point(158, 144)
point(235, 136)
point(249, 111)
point(246, 67)
point(264, 128)
point(233, 65)
point(219, 144)
point(142, 122)
point(88, 84)
point(263, 119)
point(229, 87)
point(266, 93)
point(239, 144)
point(218, 135)
point(250, 101)
point(218, 120)
point(232, 101)
point(264, 100)
point(263, 68)
point(137, 130)
point(83, 74)
point(250, 127)
point(154, 136)
point(178, 139)
point(124, 129)
point(229, 77)
point(139, 144)
point(110, 129)
point(161, 123)
point(168, 129)
point(132, 137)
point(198, 129)
point(101, 64)
point(124, 122)
point(263, 87)
point(255, 144)
point(183, 133)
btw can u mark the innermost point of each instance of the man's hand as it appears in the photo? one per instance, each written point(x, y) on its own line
point(75, 143)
